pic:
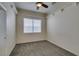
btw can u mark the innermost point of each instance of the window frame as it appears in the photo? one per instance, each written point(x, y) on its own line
point(32, 27)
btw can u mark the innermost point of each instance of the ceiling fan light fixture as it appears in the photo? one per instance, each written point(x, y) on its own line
point(39, 4)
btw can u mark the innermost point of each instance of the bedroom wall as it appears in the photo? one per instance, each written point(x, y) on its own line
point(63, 28)
point(29, 37)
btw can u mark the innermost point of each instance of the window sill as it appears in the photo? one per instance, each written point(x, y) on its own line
point(33, 33)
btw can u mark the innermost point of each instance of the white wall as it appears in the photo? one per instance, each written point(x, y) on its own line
point(10, 28)
point(2, 30)
point(63, 29)
point(26, 37)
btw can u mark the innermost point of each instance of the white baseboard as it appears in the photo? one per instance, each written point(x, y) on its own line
point(30, 41)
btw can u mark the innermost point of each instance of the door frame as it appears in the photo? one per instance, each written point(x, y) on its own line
point(3, 6)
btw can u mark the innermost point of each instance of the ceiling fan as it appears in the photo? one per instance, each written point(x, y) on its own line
point(39, 4)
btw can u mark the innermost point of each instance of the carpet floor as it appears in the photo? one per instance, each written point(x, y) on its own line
point(41, 48)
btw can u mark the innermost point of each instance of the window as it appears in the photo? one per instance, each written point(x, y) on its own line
point(32, 25)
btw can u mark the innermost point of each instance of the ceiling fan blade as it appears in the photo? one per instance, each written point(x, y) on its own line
point(44, 5)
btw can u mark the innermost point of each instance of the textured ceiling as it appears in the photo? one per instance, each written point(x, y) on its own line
point(52, 8)
point(32, 6)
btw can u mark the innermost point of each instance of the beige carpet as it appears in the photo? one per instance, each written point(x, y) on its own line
point(41, 48)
